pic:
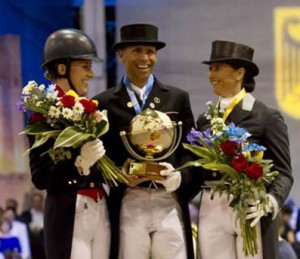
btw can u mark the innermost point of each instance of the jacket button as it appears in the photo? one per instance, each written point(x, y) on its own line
point(92, 185)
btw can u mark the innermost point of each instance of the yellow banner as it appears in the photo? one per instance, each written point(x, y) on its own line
point(287, 59)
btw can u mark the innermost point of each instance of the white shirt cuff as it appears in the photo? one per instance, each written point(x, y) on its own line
point(275, 205)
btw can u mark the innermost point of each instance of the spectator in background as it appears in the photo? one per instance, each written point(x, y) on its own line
point(287, 232)
point(33, 218)
point(294, 218)
point(11, 203)
point(9, 244)
point(19, 230)
point(286, 250)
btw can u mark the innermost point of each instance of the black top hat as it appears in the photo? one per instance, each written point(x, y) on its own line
point(233, 53)
point(136, 34)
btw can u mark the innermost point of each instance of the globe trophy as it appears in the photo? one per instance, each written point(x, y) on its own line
point(152, 137)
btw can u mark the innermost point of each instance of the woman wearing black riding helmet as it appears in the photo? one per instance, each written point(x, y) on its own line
point(76, 222)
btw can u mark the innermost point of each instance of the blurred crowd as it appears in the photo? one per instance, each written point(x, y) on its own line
point(289, 227)
point(21, 234)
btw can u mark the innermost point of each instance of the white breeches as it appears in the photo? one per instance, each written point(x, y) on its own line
point(219, 233)
point(91, 234)
point(151, 226)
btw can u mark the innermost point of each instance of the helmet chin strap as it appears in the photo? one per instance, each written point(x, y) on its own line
point(67, 74)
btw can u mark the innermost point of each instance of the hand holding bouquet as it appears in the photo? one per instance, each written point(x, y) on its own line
point(68, 119)
point(226, 149)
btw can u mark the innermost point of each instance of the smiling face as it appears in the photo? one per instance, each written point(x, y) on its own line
point(139, 61)
point(80, 73)
point(225, 80)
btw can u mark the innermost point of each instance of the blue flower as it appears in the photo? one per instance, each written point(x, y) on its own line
point(194, 135)
point(254, 147)
point(237, 134)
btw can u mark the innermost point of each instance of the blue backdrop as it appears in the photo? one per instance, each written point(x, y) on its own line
point(33, 21)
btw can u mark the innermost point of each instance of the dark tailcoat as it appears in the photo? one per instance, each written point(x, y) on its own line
point(165, 98)
point(267, 128)
point(61, 181)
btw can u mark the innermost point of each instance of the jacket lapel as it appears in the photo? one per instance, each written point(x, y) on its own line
point(158, 96)
point(122, 98)
point(242, 110)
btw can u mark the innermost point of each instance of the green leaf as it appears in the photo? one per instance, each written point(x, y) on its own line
point(195, 163)
point(226, 169)
point(71, 136)
point(40, 128)
point(39, 140)
point(201, 151)
point(34, 108)
point(101, 128)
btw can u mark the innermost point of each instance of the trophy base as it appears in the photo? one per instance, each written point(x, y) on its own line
point(148, 170)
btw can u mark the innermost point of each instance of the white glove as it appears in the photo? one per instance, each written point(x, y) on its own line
point(90, 153)
point(256, 210)
point(173, 179)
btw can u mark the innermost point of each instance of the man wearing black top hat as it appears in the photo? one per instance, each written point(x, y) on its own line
point(150, 219)
point(231, 74)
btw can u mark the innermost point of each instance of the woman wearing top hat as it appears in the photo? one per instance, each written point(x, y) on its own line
point(231, 74)
point(150, 219)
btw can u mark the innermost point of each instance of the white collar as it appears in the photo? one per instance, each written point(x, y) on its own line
point(139, 91)
point(225, 102)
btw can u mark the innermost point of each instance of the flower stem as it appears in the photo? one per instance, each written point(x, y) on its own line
point(111, 173)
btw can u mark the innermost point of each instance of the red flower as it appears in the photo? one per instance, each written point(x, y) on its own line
point(68, 101)
point(254, 171)
point(36, 117)
point(229, 147)
point(239, 163)
point(89, 105)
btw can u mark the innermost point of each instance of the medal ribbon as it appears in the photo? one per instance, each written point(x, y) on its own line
point(132, 95)
point(235, 101)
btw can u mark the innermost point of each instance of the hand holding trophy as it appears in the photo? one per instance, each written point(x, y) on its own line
point(152, 137)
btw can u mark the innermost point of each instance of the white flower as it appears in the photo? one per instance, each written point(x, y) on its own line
point(51, 88)
point(67, 113)
point(51, 94)
point(222, 110)
point(54, 112)
point(42, 88)
point(209, 103)
point(217, 121)
point(29, 87)
point(39, 103)
point(76, 117)
point(78, 108)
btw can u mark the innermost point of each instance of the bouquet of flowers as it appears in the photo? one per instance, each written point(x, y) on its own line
point(226, 149)
point(68, 119)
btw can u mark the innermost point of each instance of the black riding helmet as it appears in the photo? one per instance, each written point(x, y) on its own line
point(64, 46)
